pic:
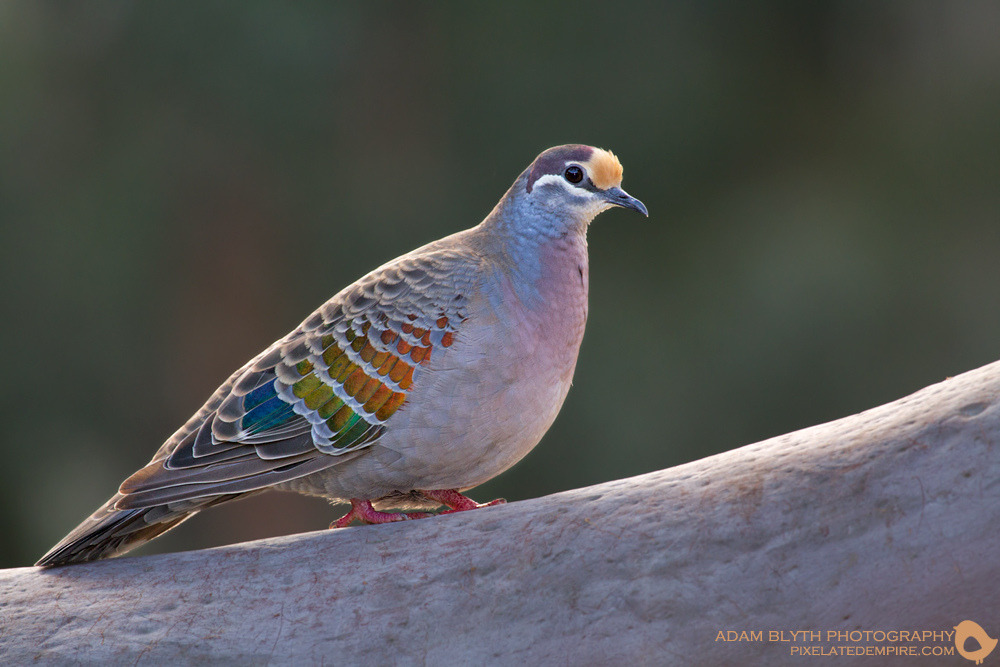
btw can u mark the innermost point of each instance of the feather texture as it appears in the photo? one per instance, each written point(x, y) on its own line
point(329, 387)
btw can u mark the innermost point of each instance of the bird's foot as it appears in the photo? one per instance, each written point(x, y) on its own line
point(456, 502)
point(364, 512)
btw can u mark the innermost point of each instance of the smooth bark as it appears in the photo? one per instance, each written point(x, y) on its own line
point(885, 520)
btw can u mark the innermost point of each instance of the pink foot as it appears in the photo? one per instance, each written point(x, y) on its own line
point(364, 512)
point(457, 502)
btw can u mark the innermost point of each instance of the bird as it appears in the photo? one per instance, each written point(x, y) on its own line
point(970, 629)
point(423, 379)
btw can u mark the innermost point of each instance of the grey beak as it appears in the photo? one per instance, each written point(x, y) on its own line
point(619, 197)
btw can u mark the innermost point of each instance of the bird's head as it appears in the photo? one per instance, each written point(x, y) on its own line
point(577, 180)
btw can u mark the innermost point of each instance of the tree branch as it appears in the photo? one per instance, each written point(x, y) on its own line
point(889, 519)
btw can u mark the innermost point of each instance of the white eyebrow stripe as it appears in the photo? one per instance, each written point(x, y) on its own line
point(566, 185)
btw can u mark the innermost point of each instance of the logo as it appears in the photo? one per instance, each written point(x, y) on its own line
point(968, 639)
point(971, 630)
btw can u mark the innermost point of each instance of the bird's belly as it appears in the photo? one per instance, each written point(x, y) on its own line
point(492, 424)
point(480, 417)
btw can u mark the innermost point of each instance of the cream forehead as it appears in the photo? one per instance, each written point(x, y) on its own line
point(604, 169)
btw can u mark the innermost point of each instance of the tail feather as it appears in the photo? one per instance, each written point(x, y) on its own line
point(109, 532)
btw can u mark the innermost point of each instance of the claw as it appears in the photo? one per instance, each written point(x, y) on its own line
point(456, 502)
point(364, 512)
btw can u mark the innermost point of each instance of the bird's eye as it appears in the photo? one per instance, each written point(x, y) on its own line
point(574, 174)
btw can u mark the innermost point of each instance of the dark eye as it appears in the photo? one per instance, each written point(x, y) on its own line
point(574, 174)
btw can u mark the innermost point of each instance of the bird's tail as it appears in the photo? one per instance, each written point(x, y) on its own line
point(109, 532)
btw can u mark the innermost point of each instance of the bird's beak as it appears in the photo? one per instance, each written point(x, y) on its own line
point(618, 197)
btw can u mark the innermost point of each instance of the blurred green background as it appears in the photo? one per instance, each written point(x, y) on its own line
point(180, 184)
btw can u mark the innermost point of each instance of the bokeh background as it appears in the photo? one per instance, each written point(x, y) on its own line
point(180, 184)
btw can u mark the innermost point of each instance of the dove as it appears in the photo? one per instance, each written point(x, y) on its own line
point(423, 379)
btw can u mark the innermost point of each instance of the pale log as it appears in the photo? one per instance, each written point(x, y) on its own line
point(889, 519)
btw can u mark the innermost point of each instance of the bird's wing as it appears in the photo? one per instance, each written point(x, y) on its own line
point(321, 393)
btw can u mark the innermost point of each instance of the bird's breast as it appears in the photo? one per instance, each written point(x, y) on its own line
point(498, 389)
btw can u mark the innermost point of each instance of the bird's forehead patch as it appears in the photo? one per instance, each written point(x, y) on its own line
point(605, 169)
